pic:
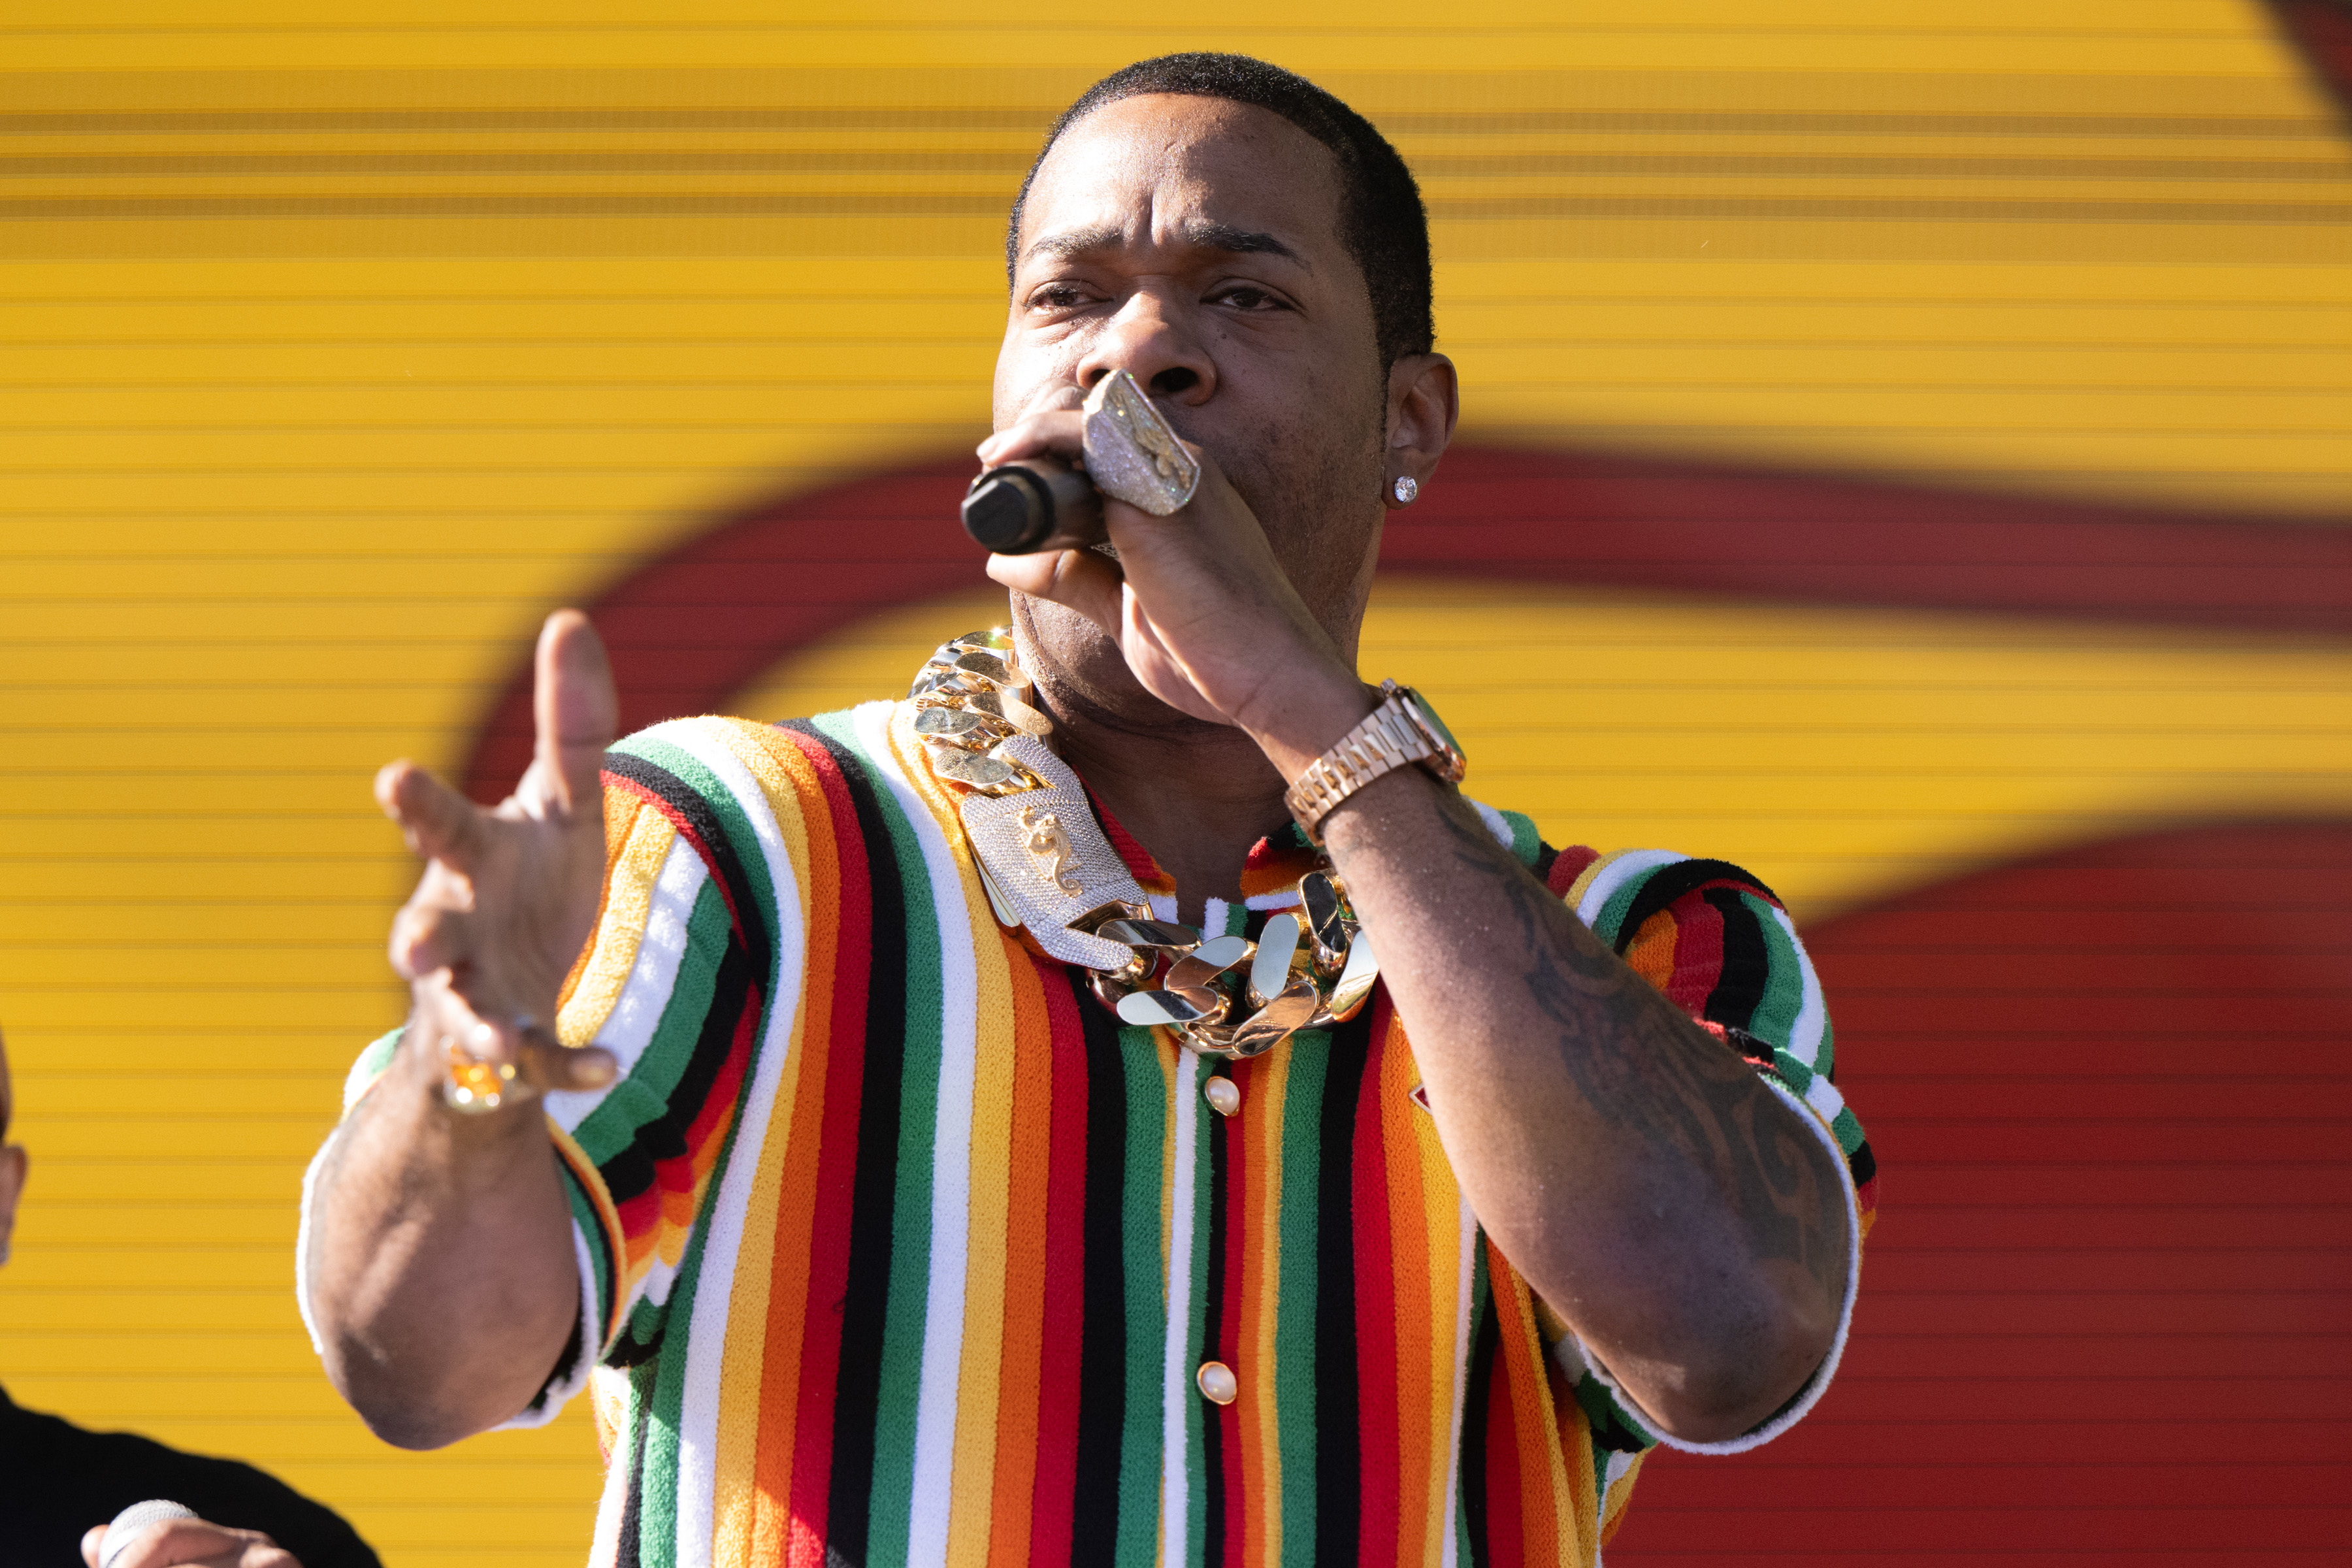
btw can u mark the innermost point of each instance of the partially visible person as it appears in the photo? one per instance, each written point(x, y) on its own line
point(59, 1485)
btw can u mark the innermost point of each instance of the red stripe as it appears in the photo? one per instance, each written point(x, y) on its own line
point(1568, 867)
point(1698, 954)
point(1507, 1540)
point(1376, 1325)
point(828, 1260)
point(1052, 1511)
point(1228, 1329)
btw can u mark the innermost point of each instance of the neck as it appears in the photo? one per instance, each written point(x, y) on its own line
point(1199, 796)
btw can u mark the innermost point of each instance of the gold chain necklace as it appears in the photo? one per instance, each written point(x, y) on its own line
point(1050, 871)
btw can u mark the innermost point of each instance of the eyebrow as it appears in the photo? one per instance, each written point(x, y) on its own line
point(1208, 236)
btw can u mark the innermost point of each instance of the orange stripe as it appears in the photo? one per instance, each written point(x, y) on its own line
point(796, 1196)
point(1025, 1265)
point(1547, 1533)
point(1652, 954)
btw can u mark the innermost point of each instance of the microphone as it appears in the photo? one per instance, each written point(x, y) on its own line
point(131, 1520)
point(1022, 508)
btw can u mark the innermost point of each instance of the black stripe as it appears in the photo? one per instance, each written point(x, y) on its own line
point(1102, 1342)
point(1545, 856)
point(632, 1170)
point(1863, 1163)
point(1747, 963)
point(1214, 1417)
point(632, 1461)
point(1671, 882)
point(866, 1296)
point(750, 915)
point(1475, 1401)
point(1339, 1434)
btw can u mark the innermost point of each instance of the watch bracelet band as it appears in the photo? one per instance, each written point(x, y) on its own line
point(1385, 740)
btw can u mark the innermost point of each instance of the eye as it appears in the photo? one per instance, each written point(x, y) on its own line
point(1063, 296)
point(1249, 297)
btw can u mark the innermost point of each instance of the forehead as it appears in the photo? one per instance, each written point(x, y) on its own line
point(1145, 165)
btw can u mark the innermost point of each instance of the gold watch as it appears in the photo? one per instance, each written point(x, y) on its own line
point(1403, 729)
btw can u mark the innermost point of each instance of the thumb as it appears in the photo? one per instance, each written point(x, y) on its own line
point(576, 710)
point(1079, 580)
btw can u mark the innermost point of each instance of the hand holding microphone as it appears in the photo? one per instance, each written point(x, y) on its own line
point(1132, 453)
point(159, 1533)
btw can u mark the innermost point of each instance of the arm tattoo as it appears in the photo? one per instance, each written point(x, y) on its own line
point(1644, 1065)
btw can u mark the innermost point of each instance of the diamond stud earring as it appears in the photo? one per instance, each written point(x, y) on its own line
point(1405, 489)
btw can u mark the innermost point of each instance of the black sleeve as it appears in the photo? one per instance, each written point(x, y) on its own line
point(56, 1480)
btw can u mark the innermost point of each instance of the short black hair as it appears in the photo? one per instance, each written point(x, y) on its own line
point(1386, 229)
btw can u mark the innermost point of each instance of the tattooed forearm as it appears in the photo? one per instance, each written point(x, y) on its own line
point(1642, 1065)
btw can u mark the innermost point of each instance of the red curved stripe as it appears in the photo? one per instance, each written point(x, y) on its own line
point(691, 626)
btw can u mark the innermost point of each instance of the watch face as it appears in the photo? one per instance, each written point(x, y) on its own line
point(1456, 763)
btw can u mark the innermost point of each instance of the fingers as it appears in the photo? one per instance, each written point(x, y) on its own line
point(190, 1543)
point(551, 1067)
point(1079, 580)
point(1061, 432)
point(574, 706)
point(429, 936)
point(437, 822)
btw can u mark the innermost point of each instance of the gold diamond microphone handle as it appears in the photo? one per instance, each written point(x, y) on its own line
point(1034, 505)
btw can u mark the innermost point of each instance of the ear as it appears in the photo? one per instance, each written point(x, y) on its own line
point(13, 1161)
point(1424, 402)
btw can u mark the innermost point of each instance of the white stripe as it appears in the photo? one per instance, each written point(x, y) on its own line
point(1213, 918)
point(569, 1380)
point(1285, 900)
point(1178, 1393)
point(1466, 1265)
point(935, 1408)
point(1163, 906)
point(1616, 874)
point(1497, 824)
point(630, 1027)
point(1813, 1015)
point(604, 1544)
point(706, 1339)
point(1823, 1096)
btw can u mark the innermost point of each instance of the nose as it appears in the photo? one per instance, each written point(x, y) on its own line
point(1152, 344)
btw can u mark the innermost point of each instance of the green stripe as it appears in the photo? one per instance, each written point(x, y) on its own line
point(642, 1096)
point(1526, 842)
point(600, 1251)
point(1139, 1445)
point(1295, 1291)
point(658, 1543)
point(732, 821)
point(1612, 913)
point(1775, 1018)
point(1848, 1127)
point(372, 1063)
point(1465, 1551)
point(656, 1486)
point(1196, 1474)
point(890, 1511)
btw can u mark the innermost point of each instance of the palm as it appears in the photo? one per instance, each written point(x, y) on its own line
point(509, 894)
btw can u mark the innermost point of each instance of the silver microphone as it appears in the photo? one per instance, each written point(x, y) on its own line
point(135, 1519)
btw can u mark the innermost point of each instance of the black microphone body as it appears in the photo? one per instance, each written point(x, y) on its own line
point(1035, 505)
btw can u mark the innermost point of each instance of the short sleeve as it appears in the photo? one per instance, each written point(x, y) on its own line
point(1716, 942)
point(679, 981)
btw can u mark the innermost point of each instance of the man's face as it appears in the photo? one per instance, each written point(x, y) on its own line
point(1196, 243)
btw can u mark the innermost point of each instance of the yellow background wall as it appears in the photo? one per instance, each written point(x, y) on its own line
point(336, 346)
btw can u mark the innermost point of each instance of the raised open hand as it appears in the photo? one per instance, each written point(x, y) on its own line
point(510, 893)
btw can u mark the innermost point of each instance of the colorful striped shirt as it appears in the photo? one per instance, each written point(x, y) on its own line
point(897, 1246)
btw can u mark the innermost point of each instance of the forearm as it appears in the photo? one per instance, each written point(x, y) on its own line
point(441, 1273)
point(1638, 1173)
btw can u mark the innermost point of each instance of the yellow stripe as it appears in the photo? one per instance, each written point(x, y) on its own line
point(979, 1388)
point(628, 899)
point(735, 1499)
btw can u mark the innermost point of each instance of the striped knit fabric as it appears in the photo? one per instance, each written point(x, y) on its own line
point(897, 1248)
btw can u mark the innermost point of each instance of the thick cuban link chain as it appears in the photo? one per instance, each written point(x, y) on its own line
point(1051, 872)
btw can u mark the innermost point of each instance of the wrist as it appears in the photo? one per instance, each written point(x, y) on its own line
point(1309, 717)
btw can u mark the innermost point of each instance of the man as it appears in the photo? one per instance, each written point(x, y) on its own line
point(59, 1485)
point(892, 1237)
